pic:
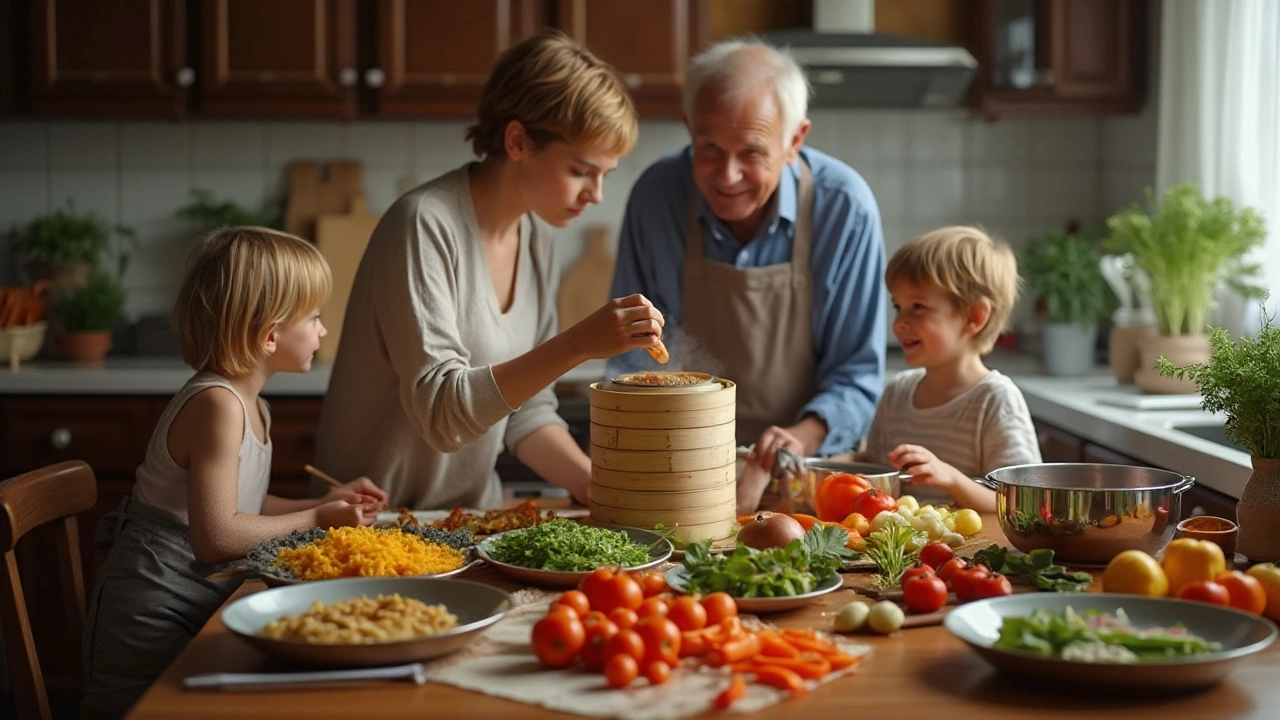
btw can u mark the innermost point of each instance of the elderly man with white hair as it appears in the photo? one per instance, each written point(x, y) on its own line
point(766, 255)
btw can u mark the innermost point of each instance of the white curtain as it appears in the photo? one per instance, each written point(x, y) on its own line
point(1219, 119)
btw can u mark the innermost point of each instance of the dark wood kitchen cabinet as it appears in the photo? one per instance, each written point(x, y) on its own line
point(649, 43)
point(1057, 446)
point(8, 51)
point(1061, 56)
point(284, 57)
point(122, 58)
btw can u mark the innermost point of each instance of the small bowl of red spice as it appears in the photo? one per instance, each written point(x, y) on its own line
point(1218, 530)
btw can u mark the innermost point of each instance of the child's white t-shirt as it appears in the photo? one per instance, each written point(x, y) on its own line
point(984, 428)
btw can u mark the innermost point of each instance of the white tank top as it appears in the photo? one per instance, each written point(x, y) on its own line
point(162, 484)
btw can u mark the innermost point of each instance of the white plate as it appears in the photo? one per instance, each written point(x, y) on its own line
point(678, 576)
point(272, 580)
point(1241, 634)
point(660, 551)
point(477, 606)
point(430, 516)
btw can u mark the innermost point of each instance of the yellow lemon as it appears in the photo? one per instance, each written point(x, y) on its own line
point(1134, 572)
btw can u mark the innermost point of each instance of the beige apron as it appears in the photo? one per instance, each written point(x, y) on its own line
point(757, 321)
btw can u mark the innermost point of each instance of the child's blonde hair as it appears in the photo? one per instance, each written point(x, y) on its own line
point(967, 264)
point(560, 92)
point(241, 281)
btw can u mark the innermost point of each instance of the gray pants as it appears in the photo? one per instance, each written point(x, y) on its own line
point(150, 601)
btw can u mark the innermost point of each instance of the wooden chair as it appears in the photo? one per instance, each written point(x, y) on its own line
point(57, 492)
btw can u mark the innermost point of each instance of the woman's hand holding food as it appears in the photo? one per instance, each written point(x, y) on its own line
point(620, 325)
point(341, 513)
point(360, 491)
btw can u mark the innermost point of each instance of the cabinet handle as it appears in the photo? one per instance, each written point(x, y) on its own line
point(374, 77)
point(60, 438)
point(347, 77)
point(186, 77)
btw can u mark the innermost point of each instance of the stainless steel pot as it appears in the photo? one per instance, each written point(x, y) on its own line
point(1087, 513)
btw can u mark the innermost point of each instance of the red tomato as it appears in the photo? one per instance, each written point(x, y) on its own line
point(625, 642)
point(557, 639)
point(593, 617)
point(833, 500)
point(1206, 591)
point(873, 502)
point(621, 670)
point(949, 568)
point(965, 582)
point(1245, 590)
point(924, 593)
point(597, 640)
point(621, 590)
point(593, 584)
point(652, 583)
point(936, 554)
point(653, 607)
point(624, 618)
point(916, 570)
point(657, 672)
point(575, 599)
point(994, 585)
point(687, 613)
point(719, 606)
point(661, 640)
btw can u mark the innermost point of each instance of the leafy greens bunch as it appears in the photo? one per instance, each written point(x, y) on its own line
point(795, 569)
point(566, 546)
point(1036, 566)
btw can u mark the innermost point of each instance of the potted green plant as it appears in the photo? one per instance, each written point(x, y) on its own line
point(210, 213)
point(1186, 248)
point(65, 244)
point(1063, 270)
point(1241, 380)
point(88, 313)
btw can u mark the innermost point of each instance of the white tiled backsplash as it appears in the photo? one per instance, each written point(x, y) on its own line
point(1016, 177)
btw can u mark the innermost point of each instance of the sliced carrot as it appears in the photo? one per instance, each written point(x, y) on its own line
point(741, 648)
point(779, 677)
point(810, 643)
point(737, 688)
point(693, 643)
point(806, 521)
point(811, 668)
point(842, 660)
point(773, 645)
point(730, 627)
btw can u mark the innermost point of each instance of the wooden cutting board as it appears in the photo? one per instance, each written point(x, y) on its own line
point(585, 285)
point(317, 189)
point(342, 240)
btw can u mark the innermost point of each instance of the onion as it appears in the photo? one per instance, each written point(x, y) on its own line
point(770, 530)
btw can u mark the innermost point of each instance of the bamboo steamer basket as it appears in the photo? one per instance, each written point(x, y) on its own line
point(665, 455)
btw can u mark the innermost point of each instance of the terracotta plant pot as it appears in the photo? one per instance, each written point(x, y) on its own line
point(1180, 350)
point(86, 347)
point(1258, 512)
point(1122, 354)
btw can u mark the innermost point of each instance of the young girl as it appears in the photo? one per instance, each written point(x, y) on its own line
point(247, 309)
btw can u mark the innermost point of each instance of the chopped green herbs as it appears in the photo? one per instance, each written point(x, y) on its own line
point(1095, 636)
point(795, 569)
point(566, 546)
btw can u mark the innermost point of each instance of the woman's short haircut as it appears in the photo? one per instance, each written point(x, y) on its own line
point(968, 265)
point(736, 66)
point(239, 283)
point(560, 92)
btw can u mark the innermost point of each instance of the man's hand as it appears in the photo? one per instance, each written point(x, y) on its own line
point(803, 438)
point(924, 467)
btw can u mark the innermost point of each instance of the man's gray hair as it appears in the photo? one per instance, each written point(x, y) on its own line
point(736, 66)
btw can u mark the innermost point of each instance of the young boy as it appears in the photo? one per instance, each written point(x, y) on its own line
point(950, 419)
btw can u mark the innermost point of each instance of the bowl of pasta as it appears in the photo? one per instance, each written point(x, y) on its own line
point(366, 622)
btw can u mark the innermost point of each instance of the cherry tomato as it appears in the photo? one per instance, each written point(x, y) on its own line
point(621, 590)
point(593, 617)
point(949, 568)
point(965, 582)
point(657, 672)
point(625, 642)
point(597, 639)
point(994, 585)
point(873, 502)
point(621, 670)
point(1246, 591)
point(624, 618)
point(719, 606)
point(575, 599)
point(661, 640)
point(924, 593)
point(593, 585)
point(1205, 591)
point(652, 583)
point(555, 608)
point(557, 639)
point(653, 607)
point(833, 500)
point(688, 614)
point(936, 554)
point(916, 570)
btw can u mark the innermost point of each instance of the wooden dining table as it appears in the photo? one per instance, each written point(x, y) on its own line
point(917, 672)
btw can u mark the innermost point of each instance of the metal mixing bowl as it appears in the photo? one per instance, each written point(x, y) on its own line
point(1087, 513)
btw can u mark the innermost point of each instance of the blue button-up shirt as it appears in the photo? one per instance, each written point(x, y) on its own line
point(847, 265)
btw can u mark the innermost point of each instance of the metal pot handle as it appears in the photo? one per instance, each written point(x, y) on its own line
point(988, 483)
point(1184, 484)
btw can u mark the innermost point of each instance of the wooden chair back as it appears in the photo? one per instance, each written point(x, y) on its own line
point(53, 493)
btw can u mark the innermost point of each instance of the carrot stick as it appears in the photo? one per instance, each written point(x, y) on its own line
point(811, 644)
point(779, 677)
point(842, 660)
point(693, 642)
point(737, 688)
point(773, 645)
point(813, 668)
point(734, 650)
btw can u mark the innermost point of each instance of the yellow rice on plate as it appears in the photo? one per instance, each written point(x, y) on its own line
point(369, 552)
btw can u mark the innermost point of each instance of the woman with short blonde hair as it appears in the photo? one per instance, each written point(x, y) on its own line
point(450, 343)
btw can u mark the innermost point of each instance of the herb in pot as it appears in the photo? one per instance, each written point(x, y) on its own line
point(1036, 566)
point(566, 546)
point(793, 570)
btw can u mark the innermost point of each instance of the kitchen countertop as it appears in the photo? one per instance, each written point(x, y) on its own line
point(1072, 404)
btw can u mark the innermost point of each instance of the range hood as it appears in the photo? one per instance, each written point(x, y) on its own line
point(851, 66)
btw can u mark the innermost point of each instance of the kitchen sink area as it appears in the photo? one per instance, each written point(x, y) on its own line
point(1213, 432)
